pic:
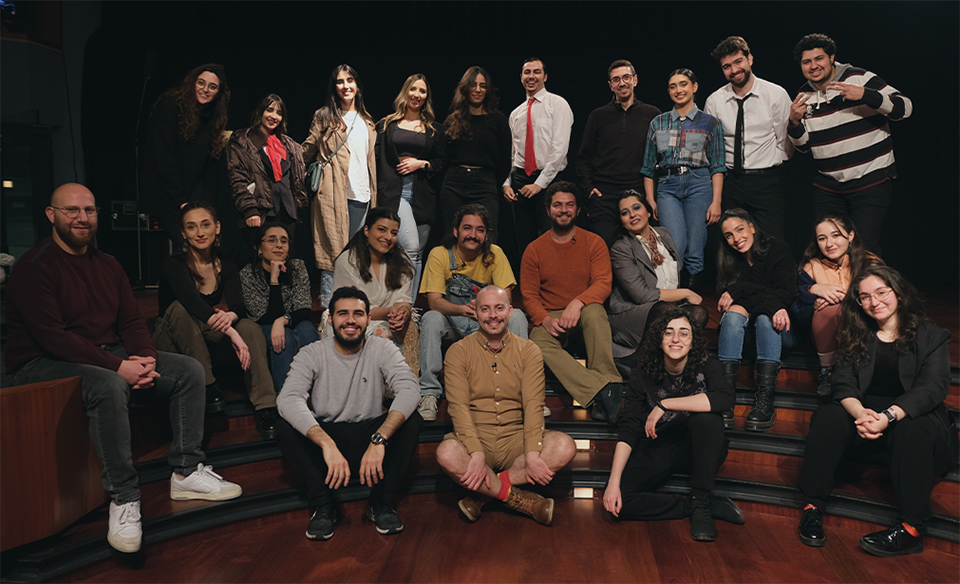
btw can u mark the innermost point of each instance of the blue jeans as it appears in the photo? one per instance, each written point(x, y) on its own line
point(294, 339)
point(433, 326)
point(358, 212)
point(412, 238)
point(682, 203)
point(733, 326)
point(105, 397)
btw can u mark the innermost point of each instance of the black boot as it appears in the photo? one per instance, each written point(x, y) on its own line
point(215, 401)
point(764, 414)
point(702, 527)
point(730, 369)
point(693, 281)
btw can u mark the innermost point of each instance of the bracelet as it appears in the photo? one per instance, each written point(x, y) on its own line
point(660, 405)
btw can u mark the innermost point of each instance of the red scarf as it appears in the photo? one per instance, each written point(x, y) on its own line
point(276, 152)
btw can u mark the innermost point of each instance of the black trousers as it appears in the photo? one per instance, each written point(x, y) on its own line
point(761, 195)
point(522, 221)
point(698, 449)
point(470, 185)
point(352, 440)
point(605, 210)
point(867, 208)
point(919, 448)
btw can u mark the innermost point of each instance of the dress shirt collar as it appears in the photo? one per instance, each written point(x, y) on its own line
point(503, 342)
point(757, 90)
point(539, 96)
point(691, 115)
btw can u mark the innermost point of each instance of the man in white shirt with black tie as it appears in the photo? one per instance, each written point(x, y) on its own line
point(537, 155)
point(754, 115)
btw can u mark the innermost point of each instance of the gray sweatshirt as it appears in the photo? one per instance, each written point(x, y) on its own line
point(327, 386)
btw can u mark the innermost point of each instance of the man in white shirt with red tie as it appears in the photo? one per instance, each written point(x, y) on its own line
point(754, 115)
point(541, 136)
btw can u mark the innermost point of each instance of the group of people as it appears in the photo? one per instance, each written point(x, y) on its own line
point(351, 403)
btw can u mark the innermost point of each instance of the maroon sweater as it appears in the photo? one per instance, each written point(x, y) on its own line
point(66, 306)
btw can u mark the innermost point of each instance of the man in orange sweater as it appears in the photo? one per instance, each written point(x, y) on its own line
point(565, 276)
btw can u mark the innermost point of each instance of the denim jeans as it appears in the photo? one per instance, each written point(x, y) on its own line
point(294, 339)
point(682, 203)
point(433, 326)
point(733, 326)
point(412, 238)
point(105, 397)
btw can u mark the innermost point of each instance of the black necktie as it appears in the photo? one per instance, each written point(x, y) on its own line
point(738, 136)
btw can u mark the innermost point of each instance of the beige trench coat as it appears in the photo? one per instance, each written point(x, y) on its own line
point(328, 212)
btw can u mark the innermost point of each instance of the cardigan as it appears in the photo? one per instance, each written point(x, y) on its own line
point(390, 182)
point(294, 288)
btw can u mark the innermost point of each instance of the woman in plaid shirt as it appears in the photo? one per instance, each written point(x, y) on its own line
point(685, 155)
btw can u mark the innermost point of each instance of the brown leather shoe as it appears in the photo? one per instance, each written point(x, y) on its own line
point(532, 504)
point(472, 505)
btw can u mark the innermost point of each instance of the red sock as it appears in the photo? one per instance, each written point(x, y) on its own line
point(809, 506)
point(504, 485)
point(911, 529)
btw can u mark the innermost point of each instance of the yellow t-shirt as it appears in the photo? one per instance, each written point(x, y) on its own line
point(437, 270)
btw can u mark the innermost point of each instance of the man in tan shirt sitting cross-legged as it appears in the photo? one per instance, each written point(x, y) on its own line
point(495, 391)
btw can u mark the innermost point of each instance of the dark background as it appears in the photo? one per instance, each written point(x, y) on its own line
point(290, 48)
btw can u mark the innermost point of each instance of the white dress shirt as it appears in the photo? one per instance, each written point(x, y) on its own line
point(552, 120)
point(765, 116)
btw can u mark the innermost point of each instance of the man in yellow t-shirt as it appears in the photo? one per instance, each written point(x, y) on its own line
point(452, 276)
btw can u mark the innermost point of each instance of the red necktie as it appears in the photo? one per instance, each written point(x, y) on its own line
point(529, 158)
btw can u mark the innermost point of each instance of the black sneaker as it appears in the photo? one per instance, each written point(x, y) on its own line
point(606, 404)
point(266, 420)
point(215, 401)
point(385, 518)
point(321, 524)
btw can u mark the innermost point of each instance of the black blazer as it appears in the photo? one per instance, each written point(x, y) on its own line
point(924, 373)
point(390, 182)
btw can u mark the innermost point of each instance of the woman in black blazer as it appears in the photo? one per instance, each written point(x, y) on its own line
point(411, 151)
point(646, 273)
point(892, 375)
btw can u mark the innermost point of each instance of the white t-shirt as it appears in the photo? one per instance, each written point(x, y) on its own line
point(358, 175)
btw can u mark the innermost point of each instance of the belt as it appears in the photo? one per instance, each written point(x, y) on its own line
point(677, 169)
point(755, 171)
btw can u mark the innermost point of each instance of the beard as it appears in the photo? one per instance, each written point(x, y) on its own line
point(72, 239)
point(748, 75)
point(348, 343)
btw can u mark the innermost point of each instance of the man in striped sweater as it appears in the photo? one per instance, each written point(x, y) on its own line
point(840, 115)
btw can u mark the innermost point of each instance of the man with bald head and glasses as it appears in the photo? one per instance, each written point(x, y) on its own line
point(71, 312)
point(612, 148)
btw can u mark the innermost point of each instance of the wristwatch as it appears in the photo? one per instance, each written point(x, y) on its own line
point(891, 417)
point(378, 439)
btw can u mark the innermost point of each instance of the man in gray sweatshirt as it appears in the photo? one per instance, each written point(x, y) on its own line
point(335, 423)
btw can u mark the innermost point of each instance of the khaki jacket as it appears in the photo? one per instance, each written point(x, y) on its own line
point(330, 218)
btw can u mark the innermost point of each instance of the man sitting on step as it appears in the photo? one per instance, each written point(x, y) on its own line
point(334, 424)
point(495, 395)
point(72, 313)
point(453, 274)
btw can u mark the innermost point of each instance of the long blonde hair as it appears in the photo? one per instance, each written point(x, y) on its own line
point(400, 104)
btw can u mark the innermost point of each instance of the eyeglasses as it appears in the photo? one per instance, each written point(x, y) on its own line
point(274, 240)
point(74, 212)
point(878, 296)
point(616, 80)
point(682, 333)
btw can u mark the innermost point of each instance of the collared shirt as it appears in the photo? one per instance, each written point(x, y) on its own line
point(668, 276)
point(552, 120)
point(495, 388)
point(766, 113)
point(694, 140)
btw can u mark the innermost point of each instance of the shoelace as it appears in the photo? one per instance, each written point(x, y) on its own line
point(129, 514)
point(208, 470)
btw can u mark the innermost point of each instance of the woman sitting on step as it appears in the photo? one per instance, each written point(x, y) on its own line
point(374, 262)
point(834, 257)
point(892, 375)
point(671, 423)
point(756, 280)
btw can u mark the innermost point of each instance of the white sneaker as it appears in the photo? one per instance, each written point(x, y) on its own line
point(428, 408)
point(546, 411)
point(203, 484)
point(124, 532)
